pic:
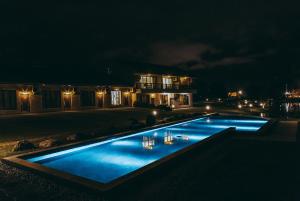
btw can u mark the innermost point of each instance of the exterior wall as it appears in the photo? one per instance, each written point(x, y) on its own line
point(75, 102)
point(14, 110)
point(156, 99)
point(39, 98)
point(36, 103)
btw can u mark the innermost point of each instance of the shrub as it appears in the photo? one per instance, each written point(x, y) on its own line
point(23, 145)
point(150, 120)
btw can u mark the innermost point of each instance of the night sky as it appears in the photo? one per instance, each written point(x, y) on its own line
point(251, 44)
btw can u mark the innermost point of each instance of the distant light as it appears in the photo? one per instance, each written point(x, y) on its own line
point(154, 112)
point(240, 92)
point(219, 99)
point(206, 99)
point(208, 107)
point(240, 106)
point(173, 106)
point(250, 105)
point(246, 101)
point(262, 105)
point(207, 120)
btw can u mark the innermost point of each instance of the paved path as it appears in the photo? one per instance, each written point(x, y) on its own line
point(285, 131)
point(282, 131)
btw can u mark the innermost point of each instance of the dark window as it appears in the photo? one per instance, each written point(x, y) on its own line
point(184, 100)
point(51, 98)
point(8, 100)
point(164, 99)
point(87, 98)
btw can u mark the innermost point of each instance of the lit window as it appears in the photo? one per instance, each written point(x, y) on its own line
point(146, 79)
point(116, 97)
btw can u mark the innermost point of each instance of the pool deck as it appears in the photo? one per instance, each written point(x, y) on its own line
point(281, 131)
point(256, 168)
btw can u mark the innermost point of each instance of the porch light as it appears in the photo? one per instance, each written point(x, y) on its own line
point(100, 93)
point(25, 93)
point(68, 93)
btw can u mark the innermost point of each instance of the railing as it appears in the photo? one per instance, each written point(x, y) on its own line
point(160, 86)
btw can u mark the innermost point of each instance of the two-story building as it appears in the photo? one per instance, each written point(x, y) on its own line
point(170, 90)
point(149, 89)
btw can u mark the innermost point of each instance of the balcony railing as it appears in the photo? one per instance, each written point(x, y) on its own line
point(161, 86)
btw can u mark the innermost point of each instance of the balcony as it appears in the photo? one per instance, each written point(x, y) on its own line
point(160, 86)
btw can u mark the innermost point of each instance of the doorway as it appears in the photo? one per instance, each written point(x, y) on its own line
point(67, 102)
point(25, 103)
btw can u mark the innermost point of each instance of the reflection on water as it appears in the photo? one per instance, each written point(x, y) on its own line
point(148, 142)
point(168, 139)
point(183, 137)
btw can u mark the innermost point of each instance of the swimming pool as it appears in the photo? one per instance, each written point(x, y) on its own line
point(105, 162)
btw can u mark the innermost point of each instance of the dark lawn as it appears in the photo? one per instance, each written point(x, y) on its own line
point(41, 125)
point(48, 124)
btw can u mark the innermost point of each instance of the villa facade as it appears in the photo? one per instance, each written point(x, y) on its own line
point(169, 90)
point(149, 89)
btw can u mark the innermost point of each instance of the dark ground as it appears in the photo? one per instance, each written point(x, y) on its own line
point(238, 170)
point(241, 169)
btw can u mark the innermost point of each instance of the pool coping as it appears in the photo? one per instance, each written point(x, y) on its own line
point(21, 162)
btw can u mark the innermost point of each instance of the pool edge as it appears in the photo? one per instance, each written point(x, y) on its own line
point(20, 162)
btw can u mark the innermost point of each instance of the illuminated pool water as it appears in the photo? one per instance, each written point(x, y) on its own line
point(108, 160)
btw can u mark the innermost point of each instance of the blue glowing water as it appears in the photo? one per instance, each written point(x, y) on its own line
point(108, 160)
